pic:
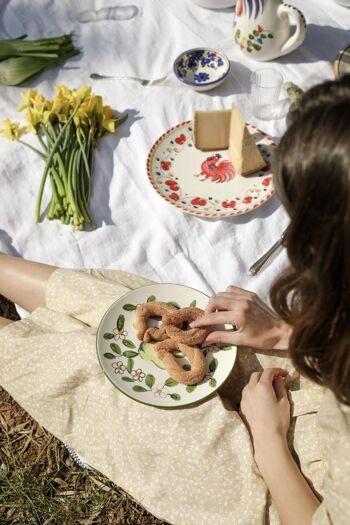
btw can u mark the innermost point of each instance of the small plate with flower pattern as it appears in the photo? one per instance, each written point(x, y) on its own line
point(134, 367)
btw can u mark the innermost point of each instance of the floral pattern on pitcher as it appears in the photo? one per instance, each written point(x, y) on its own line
point(264, 28)
point(255, 39)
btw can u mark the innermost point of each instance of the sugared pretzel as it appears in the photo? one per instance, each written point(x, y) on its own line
point(155, 334)
point(194, 355)
point(172, 323)
point(143, 313)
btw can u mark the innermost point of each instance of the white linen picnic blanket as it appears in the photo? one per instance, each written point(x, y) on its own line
point(137, 230)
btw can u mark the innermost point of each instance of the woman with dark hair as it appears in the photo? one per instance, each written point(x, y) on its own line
point(196, 466)
point(311, 302)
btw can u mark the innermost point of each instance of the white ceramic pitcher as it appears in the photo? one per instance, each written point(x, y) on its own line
point(263, 29)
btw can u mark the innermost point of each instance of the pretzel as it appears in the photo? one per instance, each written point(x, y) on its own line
point(155, 334)
point(173, 322)
point(143, 313)
point(194, 355)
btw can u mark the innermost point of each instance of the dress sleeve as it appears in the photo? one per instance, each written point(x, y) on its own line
point(335, 508)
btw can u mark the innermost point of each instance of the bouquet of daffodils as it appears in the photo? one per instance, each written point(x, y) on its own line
point(68, 128)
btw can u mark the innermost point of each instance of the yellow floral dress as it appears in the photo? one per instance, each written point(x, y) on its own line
point(190, 466)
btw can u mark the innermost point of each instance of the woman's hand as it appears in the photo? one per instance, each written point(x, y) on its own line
point(256, 324)
point(265, 409)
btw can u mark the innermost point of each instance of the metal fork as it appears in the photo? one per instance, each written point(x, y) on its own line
point(265, 259)
point(143, 81)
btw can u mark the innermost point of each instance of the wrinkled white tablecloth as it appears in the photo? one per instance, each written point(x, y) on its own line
point(137, 230)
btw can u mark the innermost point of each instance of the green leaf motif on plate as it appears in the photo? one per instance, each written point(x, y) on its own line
point(212, 382)
point(151, 299)
point(177, 397)
point(150, 379)
point(213, 365)
point(171, 382)
point(128, 343)
point(108, 336)
point(129, 353)
point(120, 322)
point(108, 355)
point(190, 388)
point(256, 47)
point(129, 307)
point(138, 388)
point(128, 379)
point(130, 365)
point(115, 348)
point(173, 303)
point(193, 304)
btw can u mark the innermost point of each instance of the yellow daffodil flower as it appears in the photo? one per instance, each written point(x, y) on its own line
point(108, 119)
point(12, 130)
point(27, 99)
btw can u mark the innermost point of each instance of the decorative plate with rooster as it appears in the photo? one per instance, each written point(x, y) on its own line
point(204, 183)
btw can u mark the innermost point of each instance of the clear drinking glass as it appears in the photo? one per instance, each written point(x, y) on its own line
point(266, 87)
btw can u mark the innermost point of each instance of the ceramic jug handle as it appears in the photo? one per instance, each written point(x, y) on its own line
point(298, 37)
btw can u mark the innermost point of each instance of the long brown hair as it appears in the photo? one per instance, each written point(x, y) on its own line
point(312, 177)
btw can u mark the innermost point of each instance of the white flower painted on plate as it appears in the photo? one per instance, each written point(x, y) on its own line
point(119, 334)
point(119, 368)
point(138, 374)
point(159, 391)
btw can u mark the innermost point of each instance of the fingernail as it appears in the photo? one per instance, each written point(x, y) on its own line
point(193, 324)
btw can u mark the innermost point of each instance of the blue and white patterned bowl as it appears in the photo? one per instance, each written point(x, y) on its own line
point(201, 68)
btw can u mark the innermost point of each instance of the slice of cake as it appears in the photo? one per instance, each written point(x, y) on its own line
point(242, 150)
point(211, 129)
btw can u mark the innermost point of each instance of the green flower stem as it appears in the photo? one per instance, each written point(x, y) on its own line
point(48, 163)
point(70, 193)
point(87, 167)
point(67, 137)
point(42, 142)
point(38, 152)
point(83, 203)
point(54, 199)
point(60, 187)
point(50, 213)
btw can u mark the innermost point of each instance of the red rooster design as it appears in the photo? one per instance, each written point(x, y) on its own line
point(216, 170)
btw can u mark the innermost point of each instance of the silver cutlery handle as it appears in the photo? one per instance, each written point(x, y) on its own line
point(96, 76)
point(267, 257)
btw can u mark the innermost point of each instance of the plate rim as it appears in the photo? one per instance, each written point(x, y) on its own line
point(266, 198)
point(185, 405)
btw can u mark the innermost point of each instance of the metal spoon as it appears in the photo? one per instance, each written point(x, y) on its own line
point(143, 81)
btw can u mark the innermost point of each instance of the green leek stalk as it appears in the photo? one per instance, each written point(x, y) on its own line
point(21, 59)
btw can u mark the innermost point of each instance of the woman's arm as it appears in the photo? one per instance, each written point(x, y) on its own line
point(266, 411)
point(257, 325)
point(291, 494)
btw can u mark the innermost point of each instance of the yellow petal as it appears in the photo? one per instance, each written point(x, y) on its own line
point(12, 130)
